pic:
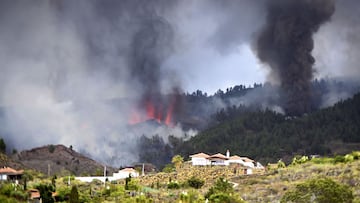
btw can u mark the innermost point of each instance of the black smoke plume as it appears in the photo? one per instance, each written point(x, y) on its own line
point(150, 46)
point(285, 44)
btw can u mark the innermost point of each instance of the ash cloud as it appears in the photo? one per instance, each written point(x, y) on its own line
point(73, 71)
point(285, 44)
point(337, 47)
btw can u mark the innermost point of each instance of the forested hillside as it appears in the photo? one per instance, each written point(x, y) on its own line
point(268, 136)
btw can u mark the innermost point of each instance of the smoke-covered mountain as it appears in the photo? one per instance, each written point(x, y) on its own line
point(64, 63)
point(269, 136)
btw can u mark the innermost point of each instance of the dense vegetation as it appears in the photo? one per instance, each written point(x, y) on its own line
point(323, 179)
point(268, 136)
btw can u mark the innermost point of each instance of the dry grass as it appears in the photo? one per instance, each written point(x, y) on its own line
point(263, 186)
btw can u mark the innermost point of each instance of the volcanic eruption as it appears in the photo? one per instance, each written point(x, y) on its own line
point(151, 44)
point(285, 44)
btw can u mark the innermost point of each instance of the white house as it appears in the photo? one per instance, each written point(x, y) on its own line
point(218, 159)
point(235, 160)
point(7, 173)
point(200, 159)
point(122, 174)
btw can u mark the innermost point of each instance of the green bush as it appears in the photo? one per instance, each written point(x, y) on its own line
point(299, 160)
point(195, 182)
point(349, 158)
point(4, 199)
point(225, 198)
point(339, 159)
point(322, 190)
point(74, 195)
point(192, 196)
point(356, 155)
point(281, 164)
point(6, 189)
point(19, 195)
point(46, 192)
point(323, 160)
point(173, 185)
point(51, 148)
point(221, 186)
point(168, 168)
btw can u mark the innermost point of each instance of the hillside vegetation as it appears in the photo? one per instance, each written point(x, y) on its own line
point(268, 136)
point(324, 179)
point(57, 159)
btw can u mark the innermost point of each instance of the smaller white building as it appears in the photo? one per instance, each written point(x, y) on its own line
point(219, 160)
point(200, 159)
point(122, 174)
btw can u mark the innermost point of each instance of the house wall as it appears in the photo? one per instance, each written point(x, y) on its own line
point(123, 175)
point(221, 162)
point(249, 164)
point(3, 177)
point(196, 161)
point(235, 161)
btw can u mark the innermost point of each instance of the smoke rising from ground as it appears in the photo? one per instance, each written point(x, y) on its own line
point(286, 43)
point(73, 72)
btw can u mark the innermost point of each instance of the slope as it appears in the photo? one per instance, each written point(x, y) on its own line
point(268, 136)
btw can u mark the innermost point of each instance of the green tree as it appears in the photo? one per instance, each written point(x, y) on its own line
point(74, 195)
point(323, 190)
point(46, 192)
point(168, 168)
point(177, 160)
point(51, 148)
point(2, 146)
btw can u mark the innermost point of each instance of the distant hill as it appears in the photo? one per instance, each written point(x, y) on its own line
point(59, 159)
point(268, 136)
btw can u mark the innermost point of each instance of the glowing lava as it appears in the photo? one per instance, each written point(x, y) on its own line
point(153, 112)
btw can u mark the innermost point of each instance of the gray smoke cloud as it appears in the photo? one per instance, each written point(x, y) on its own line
point(73, 72)
point(338, 43)
point(286, 43)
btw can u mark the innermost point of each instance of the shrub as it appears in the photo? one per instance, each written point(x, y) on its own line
point(191, 196)
point(339, 159)
point(168, 168)
point(74, 195)
point(322, 190)
point(173, 185)
point(46, 192)
point(220, 186)
point(195, 182)
point(299, 160)
point(19, 195)
point(6, 189)
point(349, 158)
point(281, 164)
point(323, 160)
point(356, 155)
point(225, 198)
point(51, 148)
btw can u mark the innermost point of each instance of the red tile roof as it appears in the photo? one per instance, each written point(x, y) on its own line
point(200, 155)
point(219, 155)
point(34, 194)
point(245, 159)
point(10, 171)
point(128, 170)
point(235, 157)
